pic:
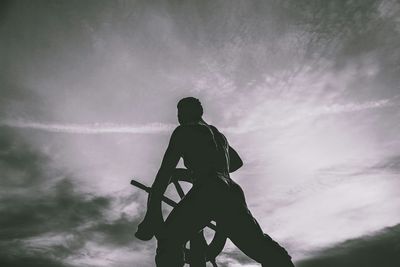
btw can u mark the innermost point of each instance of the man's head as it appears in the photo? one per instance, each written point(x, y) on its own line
point(189, 110)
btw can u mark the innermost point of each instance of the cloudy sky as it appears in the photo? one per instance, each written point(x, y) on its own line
point(306, 91)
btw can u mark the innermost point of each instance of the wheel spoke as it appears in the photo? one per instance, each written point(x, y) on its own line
point(179, 189)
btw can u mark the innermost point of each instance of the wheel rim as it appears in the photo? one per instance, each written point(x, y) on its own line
point(217, 243)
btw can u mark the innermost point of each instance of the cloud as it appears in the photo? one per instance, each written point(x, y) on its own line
point(46, 220)
point(378, 249)
point(96, 128)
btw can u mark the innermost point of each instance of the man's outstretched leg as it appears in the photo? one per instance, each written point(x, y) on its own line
point(244, 231)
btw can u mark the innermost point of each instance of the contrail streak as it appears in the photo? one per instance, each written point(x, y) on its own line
point(96, 128)
point(156, 128)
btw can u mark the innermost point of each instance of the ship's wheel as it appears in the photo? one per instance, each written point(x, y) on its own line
point(211, 249)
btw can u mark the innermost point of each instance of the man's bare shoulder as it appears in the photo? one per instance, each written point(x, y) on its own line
point(186, 131)
point(181, 135)
point(181, 131)
point(177, 132)
point(190, 129)
point(185, 128)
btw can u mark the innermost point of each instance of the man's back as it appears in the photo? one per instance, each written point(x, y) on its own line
point(204, 148)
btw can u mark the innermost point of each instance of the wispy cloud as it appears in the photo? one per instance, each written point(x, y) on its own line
point(308, 113)
point(155, 128)
point(351, 107)
point(95, 128)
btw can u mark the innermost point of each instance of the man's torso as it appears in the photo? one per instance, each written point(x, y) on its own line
point(204, 150)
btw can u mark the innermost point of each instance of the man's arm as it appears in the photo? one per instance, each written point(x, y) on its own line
point(153, 218)
point(168, 164)
point(235, 162)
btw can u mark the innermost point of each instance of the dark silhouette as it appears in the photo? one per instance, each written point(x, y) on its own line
point(214, 196)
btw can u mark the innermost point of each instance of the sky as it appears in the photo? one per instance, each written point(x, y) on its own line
point(307, 92)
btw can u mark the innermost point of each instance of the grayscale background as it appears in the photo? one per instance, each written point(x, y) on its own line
point(308, 93)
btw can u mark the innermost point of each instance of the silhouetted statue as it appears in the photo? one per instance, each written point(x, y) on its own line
point(214, 196)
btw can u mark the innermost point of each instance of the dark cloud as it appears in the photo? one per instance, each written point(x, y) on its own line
point(391, 164)
point(57, 210)
point(20, 164)
point(40, 260)
point(118, 232)
point(39, 203)
point(380, 249)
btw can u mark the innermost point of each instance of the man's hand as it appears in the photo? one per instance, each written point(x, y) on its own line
point(145, 231)
point(149, 227)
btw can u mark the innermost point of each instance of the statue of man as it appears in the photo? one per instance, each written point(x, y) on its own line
point(214, 195)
